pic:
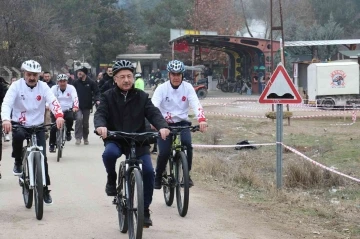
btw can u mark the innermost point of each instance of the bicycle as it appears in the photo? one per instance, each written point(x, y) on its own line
point(33, 178)
point(61, 138)
point(129, 200)
point(176, 175)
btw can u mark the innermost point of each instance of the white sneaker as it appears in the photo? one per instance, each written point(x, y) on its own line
point(7, 138)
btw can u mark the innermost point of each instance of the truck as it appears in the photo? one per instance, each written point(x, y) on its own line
point(333, 84)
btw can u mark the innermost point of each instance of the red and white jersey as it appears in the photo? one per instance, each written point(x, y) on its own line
point(67, 98)
point(174, 103)
point(27, 105)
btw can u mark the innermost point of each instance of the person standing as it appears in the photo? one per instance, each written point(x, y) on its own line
point(50, 83)
point(87, 90)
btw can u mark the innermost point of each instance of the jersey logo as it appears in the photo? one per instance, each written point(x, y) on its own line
point(183, 98)
point(168, 118)
point(22, 118)
point(68, 94)
point(38, 98)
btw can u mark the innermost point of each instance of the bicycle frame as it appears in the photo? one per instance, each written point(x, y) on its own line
point(31, 149)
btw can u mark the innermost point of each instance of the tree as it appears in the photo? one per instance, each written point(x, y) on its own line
point(111, 36)
point(159, 20)
point(31, 31)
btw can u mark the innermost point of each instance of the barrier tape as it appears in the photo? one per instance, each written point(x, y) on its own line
point(285, 146)
point(230, 146)
point(303, 107)
point(235, 115)
point(319, 164)
point(264, 117)
point(353, 118)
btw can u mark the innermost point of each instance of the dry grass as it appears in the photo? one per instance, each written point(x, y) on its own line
point(309, 192)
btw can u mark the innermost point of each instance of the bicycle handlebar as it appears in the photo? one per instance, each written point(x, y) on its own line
point(34, 127)
point(177, 129)
point(115, 134)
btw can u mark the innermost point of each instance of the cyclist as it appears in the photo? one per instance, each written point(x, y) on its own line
point(25, 100)
point(124, 108)
point(173, 98)
point(139, 82)
point(67, 96)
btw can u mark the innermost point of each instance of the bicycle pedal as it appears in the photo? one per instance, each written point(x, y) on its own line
point(114, 201)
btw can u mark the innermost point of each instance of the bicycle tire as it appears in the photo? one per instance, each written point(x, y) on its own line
point(182, 183)
point(28, 194)
point(135, 209)
point(168, 184)
point(121, 206)
point(39, 186)
point(59, 138)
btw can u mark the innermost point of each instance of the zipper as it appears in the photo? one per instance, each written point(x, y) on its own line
point(125, 95)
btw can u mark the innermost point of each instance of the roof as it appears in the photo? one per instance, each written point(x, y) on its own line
point(322, 42)
point(351, 54)
point(336, 63)
point(139, 56)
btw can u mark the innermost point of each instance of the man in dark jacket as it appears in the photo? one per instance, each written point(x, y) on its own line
point(47, 79)
point(107, 76)
point(125, 108)
point(87, 90)
point(107, 86)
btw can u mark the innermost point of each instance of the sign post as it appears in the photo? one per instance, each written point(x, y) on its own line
point(280, 90)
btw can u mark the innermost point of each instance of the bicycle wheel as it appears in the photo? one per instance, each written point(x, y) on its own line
point(182, 183)
point(168, 183)
point(39, 186)
point(28, 193)
point(121, 202)
point(59, 138)
point(135, 205)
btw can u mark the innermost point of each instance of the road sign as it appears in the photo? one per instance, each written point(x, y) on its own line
point(280, 89)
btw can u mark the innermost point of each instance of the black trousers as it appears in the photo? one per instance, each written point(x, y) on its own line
point(69, 121)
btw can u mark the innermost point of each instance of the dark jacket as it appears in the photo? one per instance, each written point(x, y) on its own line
point(118, 113)
point(3, 89)
point(107, 86)
point(50, 83)
point(87, 91)
point(106, 78)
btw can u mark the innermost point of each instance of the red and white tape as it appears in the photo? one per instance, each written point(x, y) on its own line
point(319, 164)
point(230, 146)
point(285, 146)
point(235, 115)
point(353, 118)
point(263, 117)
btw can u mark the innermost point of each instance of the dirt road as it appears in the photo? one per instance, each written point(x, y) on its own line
point(82, 210)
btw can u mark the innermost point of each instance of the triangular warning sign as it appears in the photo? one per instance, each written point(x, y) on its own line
point(280, 89)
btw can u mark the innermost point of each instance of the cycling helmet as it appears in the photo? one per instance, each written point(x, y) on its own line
point(175, 66)
point(31, 66)
point(137, 75)
point(62, 77)
point(122, 65)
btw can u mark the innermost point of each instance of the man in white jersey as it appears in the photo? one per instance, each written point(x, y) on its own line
point(67, 96)
point(25, 100)
point(173, 98)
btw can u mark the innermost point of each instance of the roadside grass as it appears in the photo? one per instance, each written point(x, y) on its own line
point(309, 192)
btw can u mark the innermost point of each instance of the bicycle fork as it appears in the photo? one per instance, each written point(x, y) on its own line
point(30, 161)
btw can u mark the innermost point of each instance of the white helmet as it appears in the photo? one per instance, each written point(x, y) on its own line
point(62, 77)
point(137, 75)
point(31, 66)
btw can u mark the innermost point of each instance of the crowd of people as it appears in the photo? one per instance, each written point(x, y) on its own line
point(122, 105)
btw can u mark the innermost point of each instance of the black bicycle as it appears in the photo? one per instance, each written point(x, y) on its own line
point(129, 200)
point(176, 175)
point(61, 138)
point(33, 178)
